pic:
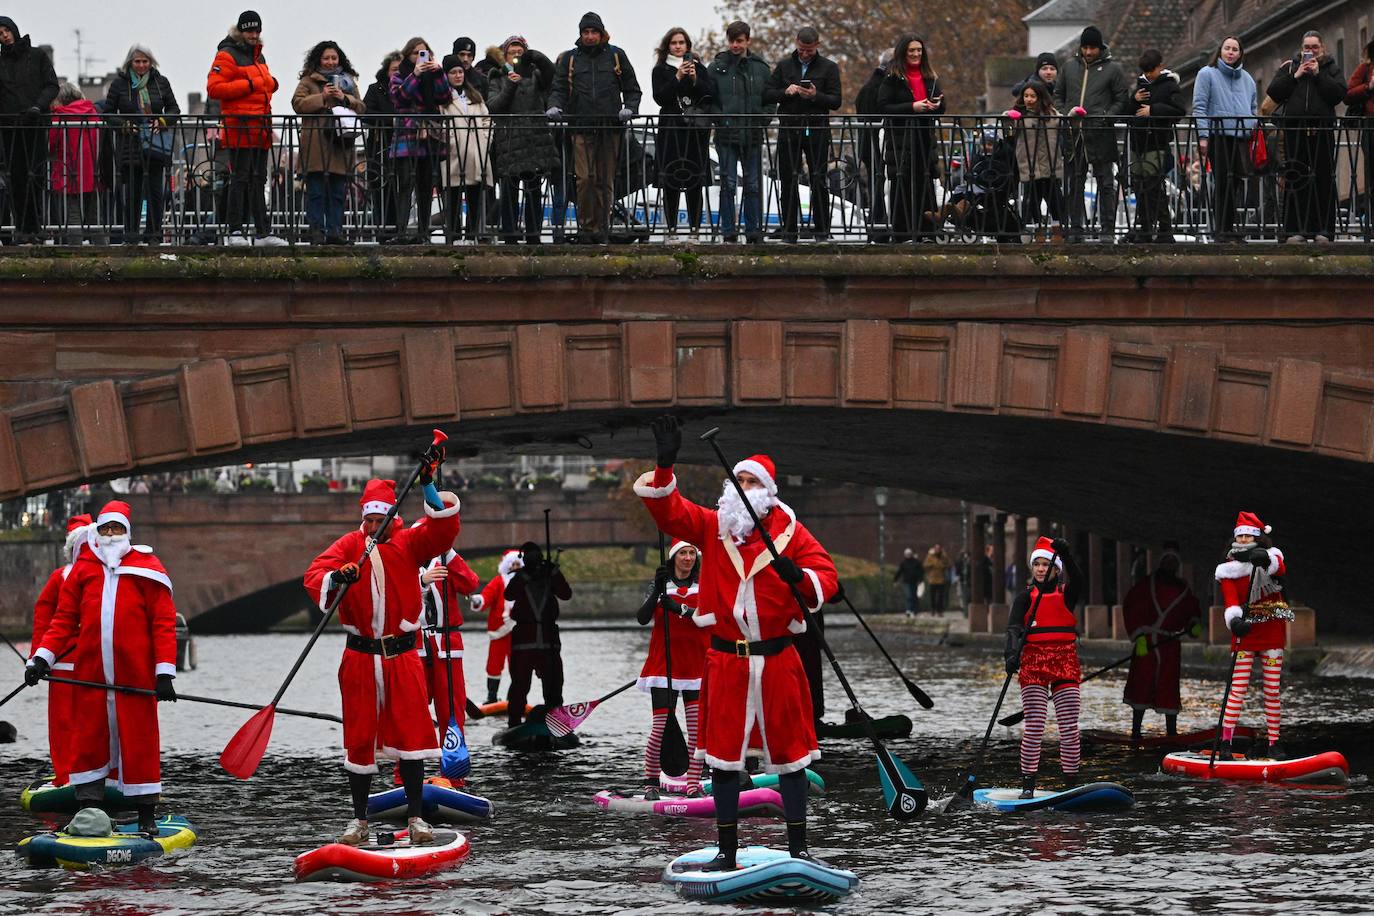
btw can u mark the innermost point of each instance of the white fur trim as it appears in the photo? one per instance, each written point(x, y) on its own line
point(352, 767)
point(450, 511)
point(1046, 555)
point(816, 584)
point(1275, 558)
point(679, 683)
point(759, 471)
point(159, 577)
point(704, 620)
point(678, 545)
point(138, 788)
point(476, 602)
point(510, 562)
point(645, 489)
point(120, 517)
point(165, 668)
point(80, 779)
point(452, 653)
point(47, 656)
point(74, 539)
point(326, 584)
point(507, 624)
point(409, 626)
point(1233, 569)
point(65, 666)
point(1248, 529)
point(796, 627)
point(1232, 613)
point(377, 507)
point(392, 753)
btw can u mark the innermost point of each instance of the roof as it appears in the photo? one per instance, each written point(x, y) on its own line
point(1063, 11)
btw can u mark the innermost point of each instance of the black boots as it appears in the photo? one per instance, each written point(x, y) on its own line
point(1224, 751)
point(147, 820)
point(796, 839)
point(727, 843)
point(493, 685)
point(1027, 785)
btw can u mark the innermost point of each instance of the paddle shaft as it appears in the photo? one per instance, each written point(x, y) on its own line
point(1226, 692)
point(22, 658)
point(190, 698)
point(667, 638)
point(16, 691)
point(1016, 717)
point(917, 692)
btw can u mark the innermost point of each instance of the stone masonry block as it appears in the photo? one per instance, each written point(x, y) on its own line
point(212, 419)
point(101, 434)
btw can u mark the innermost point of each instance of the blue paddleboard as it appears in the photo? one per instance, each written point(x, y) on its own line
point(1095, 796)
point(764, 876)
point(123, 847)
point(440, 804)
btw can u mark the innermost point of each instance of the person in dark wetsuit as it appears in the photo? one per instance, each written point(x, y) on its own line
point(536, 648)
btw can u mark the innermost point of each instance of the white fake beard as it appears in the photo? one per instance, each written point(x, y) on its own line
point(111, 548)
point(732, 515)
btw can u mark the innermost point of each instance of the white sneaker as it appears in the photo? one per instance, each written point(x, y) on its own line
point(237, 240)
point(421, 834)
point(270, 241)
point(1323, 240)
point(355, 834)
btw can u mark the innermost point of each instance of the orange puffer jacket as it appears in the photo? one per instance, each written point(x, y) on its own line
point(240, 81)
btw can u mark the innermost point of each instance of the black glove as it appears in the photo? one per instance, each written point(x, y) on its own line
point(35, 671)
point(667, 439)
point(1061, 546)
point(347, 573)
point(839, 594)
point(1240, 626)
point(661, 580)
point(787, 570)
point(165, 691)
point(1259, 556)
point(1013, 662)
point(429, 463)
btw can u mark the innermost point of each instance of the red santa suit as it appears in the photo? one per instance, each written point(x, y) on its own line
point(689, 641)
point(116, 605)
point(751, 700)
point(385, 696)
point(499, 622)
point(443, 641)
point(60, 696)
point(1156, 606)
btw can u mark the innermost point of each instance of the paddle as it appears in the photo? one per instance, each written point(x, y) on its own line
point(672, 755)
point(16, 691)
point(474, 711)
point(190, 698)
point(965, 793)
point(903, 793)
point(1016, 717)
point(1226, 693)
point(455, 761)
point(22, 658)
point(244, 751)
point(566, 718)
point(916, 692)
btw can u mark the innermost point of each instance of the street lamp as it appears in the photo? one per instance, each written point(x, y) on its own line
point(880, 500)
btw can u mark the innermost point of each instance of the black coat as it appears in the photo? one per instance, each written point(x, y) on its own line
point(795, 110)
point(380, 120)
point(1312, 98)
point(121, 108)
point(682, 148)
point(27, 80)
point(523, 146)
point(909, 136)
point(592, 84)
point(1156, 131)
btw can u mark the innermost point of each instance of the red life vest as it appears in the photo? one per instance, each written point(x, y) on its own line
point(1054, 622)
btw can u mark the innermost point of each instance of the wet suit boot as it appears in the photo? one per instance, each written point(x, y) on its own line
point(493, 685)
point(1276, 752)
point(147, 820)
point(792, 787)
point(1027, 785)
point(1224, 751)
point(725, 789)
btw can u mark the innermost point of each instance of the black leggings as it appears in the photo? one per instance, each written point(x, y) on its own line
point(412, 777)
point(725, 790)
point(247, 182)
point(670, 199)
point(414, 174)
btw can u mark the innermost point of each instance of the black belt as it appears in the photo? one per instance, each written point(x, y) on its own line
point(443, 629)
point(743, 648)
point(386, 647)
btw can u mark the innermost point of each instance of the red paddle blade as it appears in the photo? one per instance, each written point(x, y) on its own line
point(244, 751)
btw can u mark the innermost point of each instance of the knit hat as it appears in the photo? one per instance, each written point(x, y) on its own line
point(115, 511)
point(76, 532)
point(90, 822)
point(249, 21)
point(1249, 523)
point(464, 43)
point(591, 21)
point(1091, 38)
point(1044, 550)
point(761, 466)
point(515, 40)
point(451, 61)
point(1046, 58)
point(379, 496)
point(77, 521)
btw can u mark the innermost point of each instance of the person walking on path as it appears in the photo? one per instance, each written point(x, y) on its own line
point(936, 566)
point(910, 573)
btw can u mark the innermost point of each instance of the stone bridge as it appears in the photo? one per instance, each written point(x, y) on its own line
point(1142, 397)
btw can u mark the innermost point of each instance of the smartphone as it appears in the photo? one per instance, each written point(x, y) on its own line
point(424, 57)
point(336, 79)
point(807, 84)
point(1307, 55)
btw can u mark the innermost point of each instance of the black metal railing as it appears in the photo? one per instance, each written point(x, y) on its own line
point(514, 179)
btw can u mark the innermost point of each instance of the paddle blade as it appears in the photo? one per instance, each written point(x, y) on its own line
point(672, 756)
point(455, 762)
point(920, 695)
point(1013, 719)
point(474, 711)
point(244, 751)
point(903, 793)
point(565, 719)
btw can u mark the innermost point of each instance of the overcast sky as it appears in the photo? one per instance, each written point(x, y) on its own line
point(183, 35)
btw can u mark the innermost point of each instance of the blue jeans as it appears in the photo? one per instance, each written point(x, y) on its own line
point(913, 604)
point(731, 155)
point(324, 201)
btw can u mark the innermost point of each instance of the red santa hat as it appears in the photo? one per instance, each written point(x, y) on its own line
point(510, 562)
point(379, 497)
point(114, 511)
point(678, 545)
point(1249, 523)
point(77, 522)
point(77, 527)
point(761, 466)
point(1044, 550)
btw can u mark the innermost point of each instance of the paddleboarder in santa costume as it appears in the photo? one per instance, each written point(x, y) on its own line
point(446, 578)
point(116, 605)
point(60, 696)
point(756, 691)
point(1156, 607)
point(1042, 650)
point(381, 677)
point(1251, 585)
point(671, 601)
point(499, 623)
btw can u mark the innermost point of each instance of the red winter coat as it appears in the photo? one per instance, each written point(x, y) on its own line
point(74, 147)
point(1263, 603)
point(123, 622)
point(760, 701)
point(60, 696)
point(385, 700)
point(1358, 99)
point(240, 81)
point(444, 609)
point(1155, 607)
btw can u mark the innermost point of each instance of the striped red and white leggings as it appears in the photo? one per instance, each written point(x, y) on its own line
point(1272, 664)
point(663, 701)
point(1035, 702)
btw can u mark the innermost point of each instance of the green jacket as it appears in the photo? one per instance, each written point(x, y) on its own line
point(739, 91)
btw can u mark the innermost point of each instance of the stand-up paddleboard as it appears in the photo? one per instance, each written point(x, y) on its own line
point(678, 786)
point(886, 727)
point(1185, 739)
point(42, 797)
point(1093, 797)
point(1327, 769)
point(442, 804)
point(753, 803)
point(126, 846)
point(499, 708)
point(385, 857)
point(534, 735)
point(765, 876)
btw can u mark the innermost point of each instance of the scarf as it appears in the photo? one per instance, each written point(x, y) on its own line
point(139, 85)
point(916, 82)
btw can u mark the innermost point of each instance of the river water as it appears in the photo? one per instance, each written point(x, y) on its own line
point(1186, 847)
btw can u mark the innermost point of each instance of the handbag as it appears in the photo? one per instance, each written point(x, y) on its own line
point(155, 144)
point(1149, 166)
